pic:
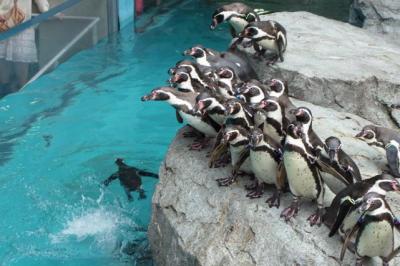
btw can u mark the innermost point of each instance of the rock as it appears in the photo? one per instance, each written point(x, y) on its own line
point(337, 65)
point(195, 222)
point(377, 16)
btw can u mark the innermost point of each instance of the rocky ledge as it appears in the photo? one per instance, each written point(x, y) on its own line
point(338, 65)
point(195, 222)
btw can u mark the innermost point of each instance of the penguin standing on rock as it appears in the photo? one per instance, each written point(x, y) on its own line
point(198, 73)
point(184, 103)
point(386, 138)
point(238, 15)
point(266, 35)
point(375, 234)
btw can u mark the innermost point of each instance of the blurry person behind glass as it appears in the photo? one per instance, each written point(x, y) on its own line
point(18, 52)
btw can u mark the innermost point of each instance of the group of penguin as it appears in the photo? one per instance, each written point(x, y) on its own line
point(263, 134)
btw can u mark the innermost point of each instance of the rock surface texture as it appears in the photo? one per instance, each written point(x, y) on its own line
point(377, 16)
point(195, 222)
point(337, 65)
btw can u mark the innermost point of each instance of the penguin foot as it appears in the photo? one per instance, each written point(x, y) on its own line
point(255, 193)
point(290, 211)
point(199, 145)
point(251, 186)
point(316, 218)
point(226, 181)
point(275, 200)
point(272, 61)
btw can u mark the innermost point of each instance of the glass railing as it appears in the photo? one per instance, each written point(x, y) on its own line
point(41, 43)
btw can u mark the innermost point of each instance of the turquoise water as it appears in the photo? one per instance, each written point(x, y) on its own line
point(59, 138)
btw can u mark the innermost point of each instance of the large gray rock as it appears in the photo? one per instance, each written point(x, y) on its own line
point(377, 16)
point(195, 222)
point(335, 64)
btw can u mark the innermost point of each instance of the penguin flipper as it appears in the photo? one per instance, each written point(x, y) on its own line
point(281, 42)
point(344, 209)
point(328, 168)
point(178, 117)
point(347, 240)
point(242, 157)
point(392, 155)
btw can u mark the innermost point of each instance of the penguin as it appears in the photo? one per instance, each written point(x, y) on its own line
point(253, 91)
point(302, 175)
point(341, 216)
point(198, 73)
point(346, 171)
point(238, 15)
point(184, 103)
point(313, 143)
point(275, 123)
point(213, 105)
point(266, 35)
point(375, 234)
point(227, 81)
point(265, 156)
point(237, 138)
point(386, 138)
point(183, 81)
point(129, 178)
point(214, 59)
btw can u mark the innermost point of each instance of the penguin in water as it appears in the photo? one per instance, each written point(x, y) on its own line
point(266, 35)
point(129, 177)
point(338, 169)
point(265, 156)
point(214, 59)
point(183, 103)
point(238, 15)
point(303, 175)
point(375, 234)
point(342, 215)
point(386, 138)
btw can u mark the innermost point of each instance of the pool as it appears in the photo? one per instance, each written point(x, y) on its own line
point(59, 138)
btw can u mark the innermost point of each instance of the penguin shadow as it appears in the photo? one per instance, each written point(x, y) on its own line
point(47, 140)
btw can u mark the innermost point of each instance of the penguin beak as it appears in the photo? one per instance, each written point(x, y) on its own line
point(395, 186)
point(332, 154)
point(201, 107)
point(262, 104)
point(189, 52)
point(364, 207)
point(148, 97)
point(171, 71)
point(298, 113)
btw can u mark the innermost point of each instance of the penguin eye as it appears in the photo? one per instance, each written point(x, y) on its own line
point(252, 31)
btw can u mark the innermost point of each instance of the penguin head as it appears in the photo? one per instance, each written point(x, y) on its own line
point(268, 105)
point(180, 76)
point(256, 136)
point(234, 134)
point(225, 73)
point(232, 107)
point(303, 115)
point(119, 161)
point(370, 203)
point(368, 134)
point(158, 94)
point(218, 17)
point(294, 130)
point(197, 51)
point(250, 31)
point(388, 183)
point(277, 87)
point(203, 101)
point(332, 147)
point(230, 135)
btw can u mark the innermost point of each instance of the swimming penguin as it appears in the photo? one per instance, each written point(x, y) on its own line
point(236, 137)
point(129, 178)
point(345, 170)
point(386, 138)
point(184, 103)
point(211, 58)
point(303, 175)
point(375, 234)
point(275, 123)
point(238, 15)
point(198, 73)
point(213, 105)
point(266, 35)
point(265, 156)
point(342, 215)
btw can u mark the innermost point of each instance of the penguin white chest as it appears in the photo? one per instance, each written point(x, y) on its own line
point(272, 132)
point(376, 239)
point(220, 119)
point(264, 166)
point(269, 44)
point(238, 24)
point(197, 123)
point(349, 222)
point(235, 155)
point(259, 118)
point(300, 177)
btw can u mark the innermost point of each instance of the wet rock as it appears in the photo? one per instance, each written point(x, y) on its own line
point(337, 65)
point(195, 222)
point(377, 16)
